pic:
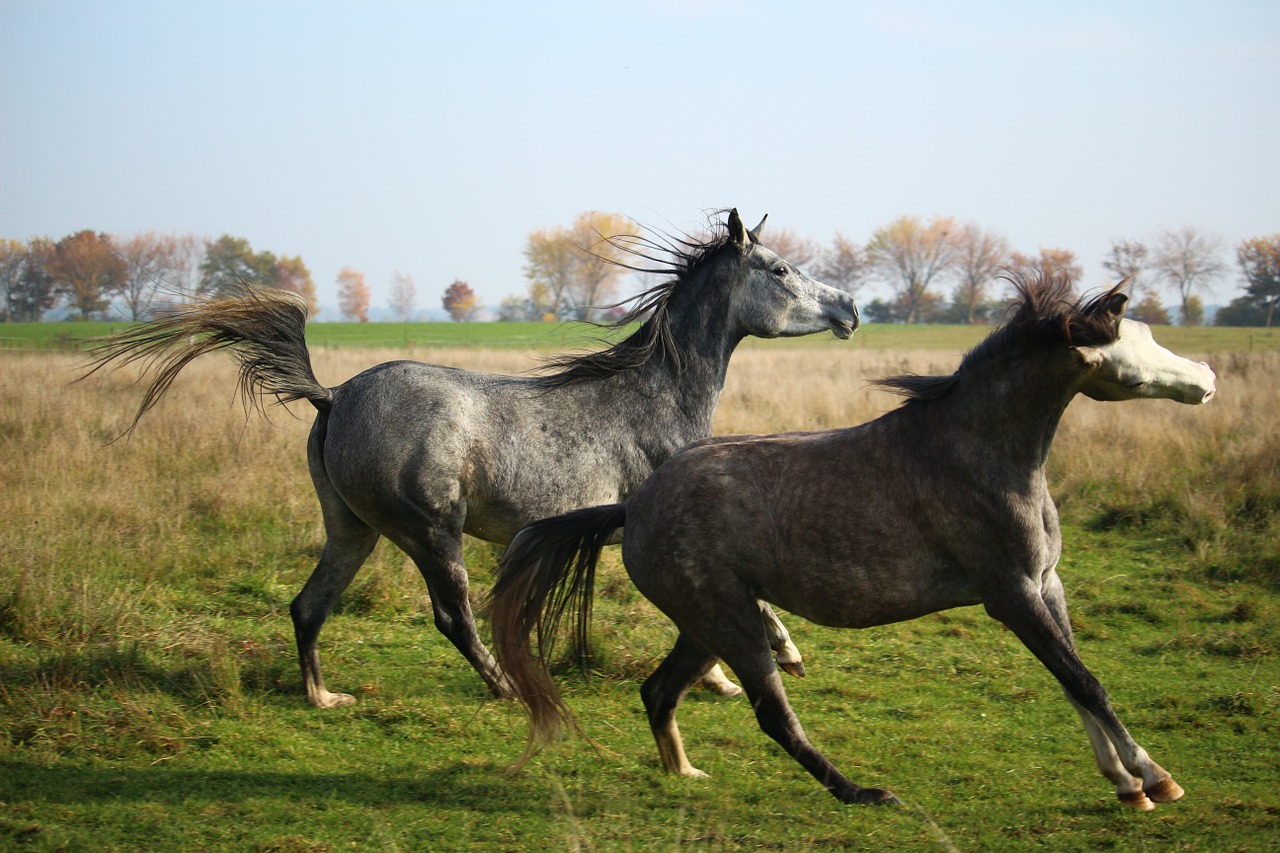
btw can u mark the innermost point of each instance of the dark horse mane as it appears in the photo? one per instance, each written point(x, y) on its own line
point(1043, 313)
point(677, 258)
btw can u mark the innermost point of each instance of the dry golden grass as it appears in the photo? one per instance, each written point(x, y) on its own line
point(110, 521)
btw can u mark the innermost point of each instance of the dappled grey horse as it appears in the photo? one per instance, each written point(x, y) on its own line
point(940, 503)
point(422, 454)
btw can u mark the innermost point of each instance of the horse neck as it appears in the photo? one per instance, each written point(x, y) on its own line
point(1013, 408)
point(704, 342)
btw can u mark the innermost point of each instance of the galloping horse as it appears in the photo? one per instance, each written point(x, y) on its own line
point(940, 503)
point(422, 454)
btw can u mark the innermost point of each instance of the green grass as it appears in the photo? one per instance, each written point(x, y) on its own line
point(150, 695)
point(559, 336)
point(196, 737)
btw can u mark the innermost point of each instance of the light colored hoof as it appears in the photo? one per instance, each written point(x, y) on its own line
point(792, 667)
point(718, 683)
point(334, 700)
point(1164, 791)
point(1136, 800)
point(693, 773)
point(725, 688)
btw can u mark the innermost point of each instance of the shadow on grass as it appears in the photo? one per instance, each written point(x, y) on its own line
point(478, 788)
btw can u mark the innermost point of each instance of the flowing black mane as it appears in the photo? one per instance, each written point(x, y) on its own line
point(678, 258)
point(1044, 313)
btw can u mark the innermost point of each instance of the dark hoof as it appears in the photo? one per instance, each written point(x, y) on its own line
point(872, 797)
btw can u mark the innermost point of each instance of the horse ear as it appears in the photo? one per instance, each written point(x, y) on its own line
point(1087, 357)
point(737, 231)
point(1116, 301)
point(754, 233)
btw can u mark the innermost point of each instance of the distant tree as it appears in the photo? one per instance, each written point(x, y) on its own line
point(404, 296)
point(183, 280)
point(796, 250)
point(13, 255)
point(910, 255)
point(87, 271)
point(154, 266)
point(1242, 311)
point(1188, 261)
point(551, 262)
point(353, 295)
point(979, 257)
point(517, 308)
point(928, 308)
point(1149, 310)
point(460, 301)
point(1259, 260)
point(844, 265)
point(599, 257)
point(229, 263)
point(1051, 263)
point(1128, 259)
point(33, 293)
point(291, 274)
point(574, 271)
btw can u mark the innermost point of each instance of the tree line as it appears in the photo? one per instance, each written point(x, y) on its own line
point(937, 271)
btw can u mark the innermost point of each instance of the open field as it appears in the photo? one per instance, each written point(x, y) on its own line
point(149, 693)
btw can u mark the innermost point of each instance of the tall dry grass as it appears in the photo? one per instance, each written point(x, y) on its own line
point(95, 532)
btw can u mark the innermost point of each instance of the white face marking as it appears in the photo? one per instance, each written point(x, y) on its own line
point(1135, 367)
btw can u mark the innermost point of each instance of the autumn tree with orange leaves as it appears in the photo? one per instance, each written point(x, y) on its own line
point(353, 295)
point(460, 301)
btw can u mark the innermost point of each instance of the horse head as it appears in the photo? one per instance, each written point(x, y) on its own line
point(773, 299)
point(1134, 366)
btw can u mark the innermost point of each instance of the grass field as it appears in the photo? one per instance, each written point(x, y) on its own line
point(150, 699)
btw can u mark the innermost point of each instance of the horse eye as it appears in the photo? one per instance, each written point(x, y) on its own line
point(780, 271)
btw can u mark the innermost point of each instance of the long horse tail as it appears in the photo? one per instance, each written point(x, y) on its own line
point(263, 327)
point(548, 569)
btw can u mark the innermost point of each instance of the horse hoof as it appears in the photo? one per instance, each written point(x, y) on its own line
point(1136, 800)
point(1164, 791)
point(795, 668)
point(874, 797)
point(334, 700)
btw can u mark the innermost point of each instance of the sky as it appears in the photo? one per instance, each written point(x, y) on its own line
point(431, 138)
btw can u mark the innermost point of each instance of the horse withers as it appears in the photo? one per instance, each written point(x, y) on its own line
point(940, 503)
point(422, 454)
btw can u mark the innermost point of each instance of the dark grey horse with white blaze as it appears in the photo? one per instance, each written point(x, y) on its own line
point(422, 454)
point(940, 503)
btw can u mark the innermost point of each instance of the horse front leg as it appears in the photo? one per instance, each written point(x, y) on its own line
point(1139, 791)
point(1038, 617)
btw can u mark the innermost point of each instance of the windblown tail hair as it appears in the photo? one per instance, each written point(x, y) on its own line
point(548, 569)
point(264, 327)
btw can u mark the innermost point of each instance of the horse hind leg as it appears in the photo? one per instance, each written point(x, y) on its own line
point(348, 545)
point(661, 693)
point(438, 556)
point(785, 653)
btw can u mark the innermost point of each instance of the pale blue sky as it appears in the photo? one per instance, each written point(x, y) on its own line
point(431, 138)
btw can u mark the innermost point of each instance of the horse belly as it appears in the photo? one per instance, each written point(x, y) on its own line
point(854, 596)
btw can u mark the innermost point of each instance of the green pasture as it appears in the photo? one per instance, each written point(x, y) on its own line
point(150, 697)
point(193, 735)
point(561, 336)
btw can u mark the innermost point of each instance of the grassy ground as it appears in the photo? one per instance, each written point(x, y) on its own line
point(149, 694)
